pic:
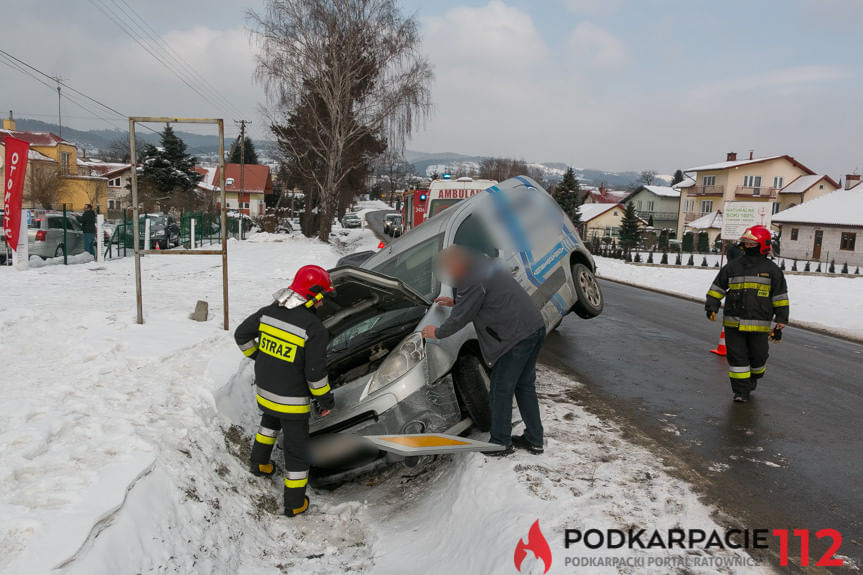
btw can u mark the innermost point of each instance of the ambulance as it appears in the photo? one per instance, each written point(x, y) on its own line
point(446, 192)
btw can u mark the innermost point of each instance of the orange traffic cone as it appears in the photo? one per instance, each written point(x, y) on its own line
point(157, 247)
point(720, 349)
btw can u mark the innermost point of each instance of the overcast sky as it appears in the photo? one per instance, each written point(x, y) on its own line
point(609, 84)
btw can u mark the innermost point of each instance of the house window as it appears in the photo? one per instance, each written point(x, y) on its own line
point(690, 206)
point(778, 182)
point(794, 233)
point(753, 182)
point(775, 208)
point(820, 186)
point(65, 160)
point(229, 181)
point(706, 206)
point(848, 241)
point(650, 205)
point(708, 181)
point(638, 203)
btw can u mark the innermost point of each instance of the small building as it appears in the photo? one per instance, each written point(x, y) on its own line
point(54, 176)
point(804, 189)
point(829, 228)
point(246, 187)
point(603, 195)
point(119, 176)
point(602, 220)
point(710, 223)
point(659, 204)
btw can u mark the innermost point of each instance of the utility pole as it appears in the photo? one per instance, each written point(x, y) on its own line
point(59, 81)
point(243, 165)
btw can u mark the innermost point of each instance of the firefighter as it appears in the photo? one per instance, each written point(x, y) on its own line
point(755, 294)
point(288, 343)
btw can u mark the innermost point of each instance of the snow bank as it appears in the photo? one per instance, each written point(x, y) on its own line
point(831, 303)
point(125, 447)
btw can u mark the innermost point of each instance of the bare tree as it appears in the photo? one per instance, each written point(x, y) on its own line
point(393, 166)
point(353, 68)
point(44, 185)
point(647, 177)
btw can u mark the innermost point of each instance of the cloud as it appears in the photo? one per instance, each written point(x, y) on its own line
point(597, 46)
point(593, 6)
point(779, 81)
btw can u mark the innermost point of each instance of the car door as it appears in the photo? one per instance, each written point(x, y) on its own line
point(75, 234)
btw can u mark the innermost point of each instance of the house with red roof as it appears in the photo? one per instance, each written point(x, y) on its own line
point(246, 186)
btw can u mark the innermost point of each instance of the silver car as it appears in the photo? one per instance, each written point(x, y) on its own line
point(46, 238)
point(387, 379)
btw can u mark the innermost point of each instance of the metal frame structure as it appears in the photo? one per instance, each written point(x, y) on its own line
point(136, 224)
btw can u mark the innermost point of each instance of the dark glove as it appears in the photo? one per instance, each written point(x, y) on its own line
point(776, 335)
point(325, 402)
point(711, 315)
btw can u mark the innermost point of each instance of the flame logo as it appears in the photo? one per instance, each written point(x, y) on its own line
point(535, 542)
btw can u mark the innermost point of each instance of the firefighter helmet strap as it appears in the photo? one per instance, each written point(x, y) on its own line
point(314, 298)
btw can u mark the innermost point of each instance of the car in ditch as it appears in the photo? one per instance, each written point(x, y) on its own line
point(386, 378)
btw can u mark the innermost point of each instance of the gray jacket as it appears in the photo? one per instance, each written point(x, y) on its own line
point(502, 313)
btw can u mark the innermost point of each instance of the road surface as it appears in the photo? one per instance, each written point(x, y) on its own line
point(375, 221)
point(790, 458)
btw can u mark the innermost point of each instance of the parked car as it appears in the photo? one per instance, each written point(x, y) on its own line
point(387, 379)
point(388, 222)
point(45, 237)
point(352, 221)
point(164, 231)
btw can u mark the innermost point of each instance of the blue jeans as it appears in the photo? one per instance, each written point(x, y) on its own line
point(90, 243)
point(514, 374)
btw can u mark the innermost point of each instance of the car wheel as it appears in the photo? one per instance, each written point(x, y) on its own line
point(58, 253)
point(472, 385)
point(590, 301)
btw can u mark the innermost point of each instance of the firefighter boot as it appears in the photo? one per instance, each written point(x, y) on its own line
point(301, 509)
point(262, 469)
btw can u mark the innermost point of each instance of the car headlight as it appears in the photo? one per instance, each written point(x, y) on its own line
point(159, 233)
point(401, 360)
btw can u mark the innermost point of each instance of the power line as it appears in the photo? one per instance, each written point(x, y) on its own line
point(118, 20)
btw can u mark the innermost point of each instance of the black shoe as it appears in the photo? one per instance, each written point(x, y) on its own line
point(299, 510)
point(520, 442)
point(741, 397)
point(506, 451)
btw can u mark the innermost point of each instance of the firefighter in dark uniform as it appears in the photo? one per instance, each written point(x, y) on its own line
point(755, 294)
point(289, 345)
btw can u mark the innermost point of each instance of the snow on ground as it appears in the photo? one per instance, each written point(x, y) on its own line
point(123, 447)
point(828, 302)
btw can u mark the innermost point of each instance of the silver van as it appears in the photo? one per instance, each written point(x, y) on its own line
point(387, 379)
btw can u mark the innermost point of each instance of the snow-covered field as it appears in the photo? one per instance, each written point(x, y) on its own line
point(834, 303)
point(123, 447)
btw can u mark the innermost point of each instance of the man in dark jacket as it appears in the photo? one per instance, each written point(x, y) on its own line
point(289, 345)
point(755, 294)
point(510, 331)
point(88, 226)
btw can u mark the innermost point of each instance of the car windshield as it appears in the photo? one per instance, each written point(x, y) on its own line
point(415, 266)
point(437, 206)
point(155, 219)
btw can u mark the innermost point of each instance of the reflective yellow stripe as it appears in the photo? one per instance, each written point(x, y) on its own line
point(250, 351)
point(283, 408)
point(264, 439)
point(320, 390)
point(747, 285)
point(294, 483)
point(715, 294)
point(780, 303)
point(760, 370)
point(738, 374)
point(282, 334)
point(764, 328)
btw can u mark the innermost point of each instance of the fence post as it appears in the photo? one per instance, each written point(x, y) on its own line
point(65, 242)
point(100, 240)
point(147, 234)
point(192, 224)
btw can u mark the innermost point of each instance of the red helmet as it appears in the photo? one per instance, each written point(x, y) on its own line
point(759, 234)
point(311, 282)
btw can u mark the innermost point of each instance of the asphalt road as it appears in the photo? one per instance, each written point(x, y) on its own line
point(790, 458)
point(375, 221)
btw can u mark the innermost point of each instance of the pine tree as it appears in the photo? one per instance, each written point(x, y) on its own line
point(677, 178)
point(630, 227)
point(566, 194)
point(169, 169)
point(250, 156)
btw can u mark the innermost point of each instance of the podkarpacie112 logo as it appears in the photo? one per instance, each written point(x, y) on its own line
point(536, 544)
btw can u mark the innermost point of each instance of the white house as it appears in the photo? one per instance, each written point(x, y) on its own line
point(829, 228)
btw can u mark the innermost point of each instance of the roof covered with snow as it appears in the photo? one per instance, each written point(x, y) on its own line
point(737, 163)
point(256, 178)
point(687, 182)
point(804, 183)
point(711, 221)
point(34, 138)
point(663, 191)
point(591, 211)
point(839, 208)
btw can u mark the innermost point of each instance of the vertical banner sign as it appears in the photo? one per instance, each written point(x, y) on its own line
point(13, 188)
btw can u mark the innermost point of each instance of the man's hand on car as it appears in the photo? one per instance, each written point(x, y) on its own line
point(445, 301)
point(428, 332)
